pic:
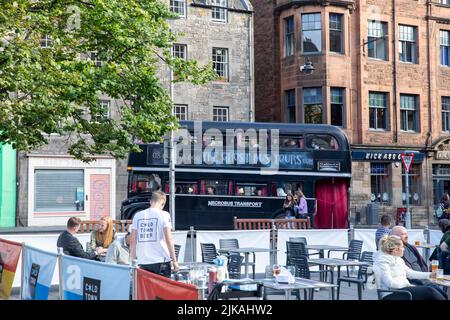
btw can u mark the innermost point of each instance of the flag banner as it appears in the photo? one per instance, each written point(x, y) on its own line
point(9, 257)
point(38, 269)
point(151, 286)
point(83, 279)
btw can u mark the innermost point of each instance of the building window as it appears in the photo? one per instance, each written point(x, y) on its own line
point(58, 190)
point(220, 114)
point(380, 182)
point(337, 106)
point(179, 7)
point(312, 105)
point(289, 45)
point(445, 113)
point(219, 10)
point(220, 62)
point(414, 185)
point(311, 33)
point(408, 112)
point(336, 38)
point(407, 44)
point(94, 56)
point(444, 1)
point(289, 103)
point(378, 110)
point(376, 40)
point(445, 48)
point(180, 111)
point(46, 42)
point(180, 51)
point(103, 112)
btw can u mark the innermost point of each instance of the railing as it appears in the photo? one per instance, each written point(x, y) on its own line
point(258, 224)
point(88, 226)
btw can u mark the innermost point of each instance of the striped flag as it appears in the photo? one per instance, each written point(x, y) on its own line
point(38, 269)
point(9, 257)
point(83, 279)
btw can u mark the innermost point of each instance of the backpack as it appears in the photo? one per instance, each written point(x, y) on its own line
point(439, 211)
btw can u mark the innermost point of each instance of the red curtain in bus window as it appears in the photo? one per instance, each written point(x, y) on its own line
point(332, 208)
point(133, 186)
point(274, 190)
point(167, 188)
point(230, 188)
point(264, 191)
point(202, 187)
point(195, 187)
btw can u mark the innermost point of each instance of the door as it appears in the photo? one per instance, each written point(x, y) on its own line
point(98, 195)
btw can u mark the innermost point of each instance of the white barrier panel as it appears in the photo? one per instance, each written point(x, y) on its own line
point(368, 238)
point(435, 236)
point(180, 238)
point(335, 237)
point(246, 238)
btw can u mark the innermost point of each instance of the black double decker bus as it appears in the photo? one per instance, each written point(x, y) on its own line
point(243, 169)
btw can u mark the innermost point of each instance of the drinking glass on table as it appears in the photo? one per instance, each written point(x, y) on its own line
point(434, 265)
point(440, 274)
point(276, 269)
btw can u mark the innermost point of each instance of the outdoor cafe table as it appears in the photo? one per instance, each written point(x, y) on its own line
point(246, 252)
point(445, 283)
point(426, 249)
point(332, 263)
point(322, 248)
point(300, 284)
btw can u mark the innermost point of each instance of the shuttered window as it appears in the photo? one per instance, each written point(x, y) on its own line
point(59, 190)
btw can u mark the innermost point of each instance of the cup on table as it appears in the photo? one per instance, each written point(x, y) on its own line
point(291, 269)
point(417, 242)
point(434, 265)
point(440, 274)
point(276, 269)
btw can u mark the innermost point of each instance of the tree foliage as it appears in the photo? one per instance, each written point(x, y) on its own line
point(56, 89)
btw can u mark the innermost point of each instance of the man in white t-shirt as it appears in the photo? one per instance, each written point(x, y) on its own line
point(151, 238)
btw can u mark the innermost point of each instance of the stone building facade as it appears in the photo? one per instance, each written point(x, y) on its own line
point(382, 75)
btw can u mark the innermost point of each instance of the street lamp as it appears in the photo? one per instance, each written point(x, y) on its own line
point(307, 68)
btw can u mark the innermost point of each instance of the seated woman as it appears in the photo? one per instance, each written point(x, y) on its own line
point(392, 273)
point(103, 236)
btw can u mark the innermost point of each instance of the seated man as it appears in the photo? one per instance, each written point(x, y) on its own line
point(413, 259)
point(71, 246)
point(119, 252)
point(383, 229)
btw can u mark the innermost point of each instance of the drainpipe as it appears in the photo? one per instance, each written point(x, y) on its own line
point(394, 69)
point(251, 114)
point(430, 112)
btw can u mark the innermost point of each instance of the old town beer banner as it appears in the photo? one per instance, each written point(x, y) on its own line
point(9, 257)
point(83, 279)
point(152, 286)
point(38, 270)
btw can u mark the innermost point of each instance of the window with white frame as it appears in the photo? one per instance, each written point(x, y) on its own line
point(336, 33)
point(378, 110)
point(445, 114)
point(289, 44)
point(220, 114)
point(376, 40)
point(312, 105)
point(409, 112)
point(180, 51)
point(444, 2)
point(58, 190)
point(311, 33)
point(180, 111)
point(219, 11)
point(414, 180)
point(337, 106)
point(445, 47)
point(220, 62)
point(289, 102)
point(407, 46)
point(104, 111)
point(46, 42)
point(179, 7)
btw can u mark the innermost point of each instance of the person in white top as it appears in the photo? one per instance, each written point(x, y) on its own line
point(151, 238)
point(392, 273)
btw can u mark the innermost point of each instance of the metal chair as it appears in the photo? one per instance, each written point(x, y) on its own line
point(305, 241)
point(209, 252)
point(234, 244)
point(294, 249)
point(361, 278)
point(234, 266)
point(402, 294)
point(177, 250)
point(302, 270)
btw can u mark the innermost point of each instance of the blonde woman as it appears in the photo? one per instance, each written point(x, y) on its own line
point(103, 236)
point(392, 273)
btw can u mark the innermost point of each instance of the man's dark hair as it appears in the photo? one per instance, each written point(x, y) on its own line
point(385, 220)
point(73, 222)
point(443, 224)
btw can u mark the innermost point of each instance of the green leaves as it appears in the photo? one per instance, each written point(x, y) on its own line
point(56, 88)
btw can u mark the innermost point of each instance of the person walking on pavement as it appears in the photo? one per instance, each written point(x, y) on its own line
point(151, 238)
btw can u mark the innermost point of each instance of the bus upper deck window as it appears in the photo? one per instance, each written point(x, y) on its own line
point(322, 142)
